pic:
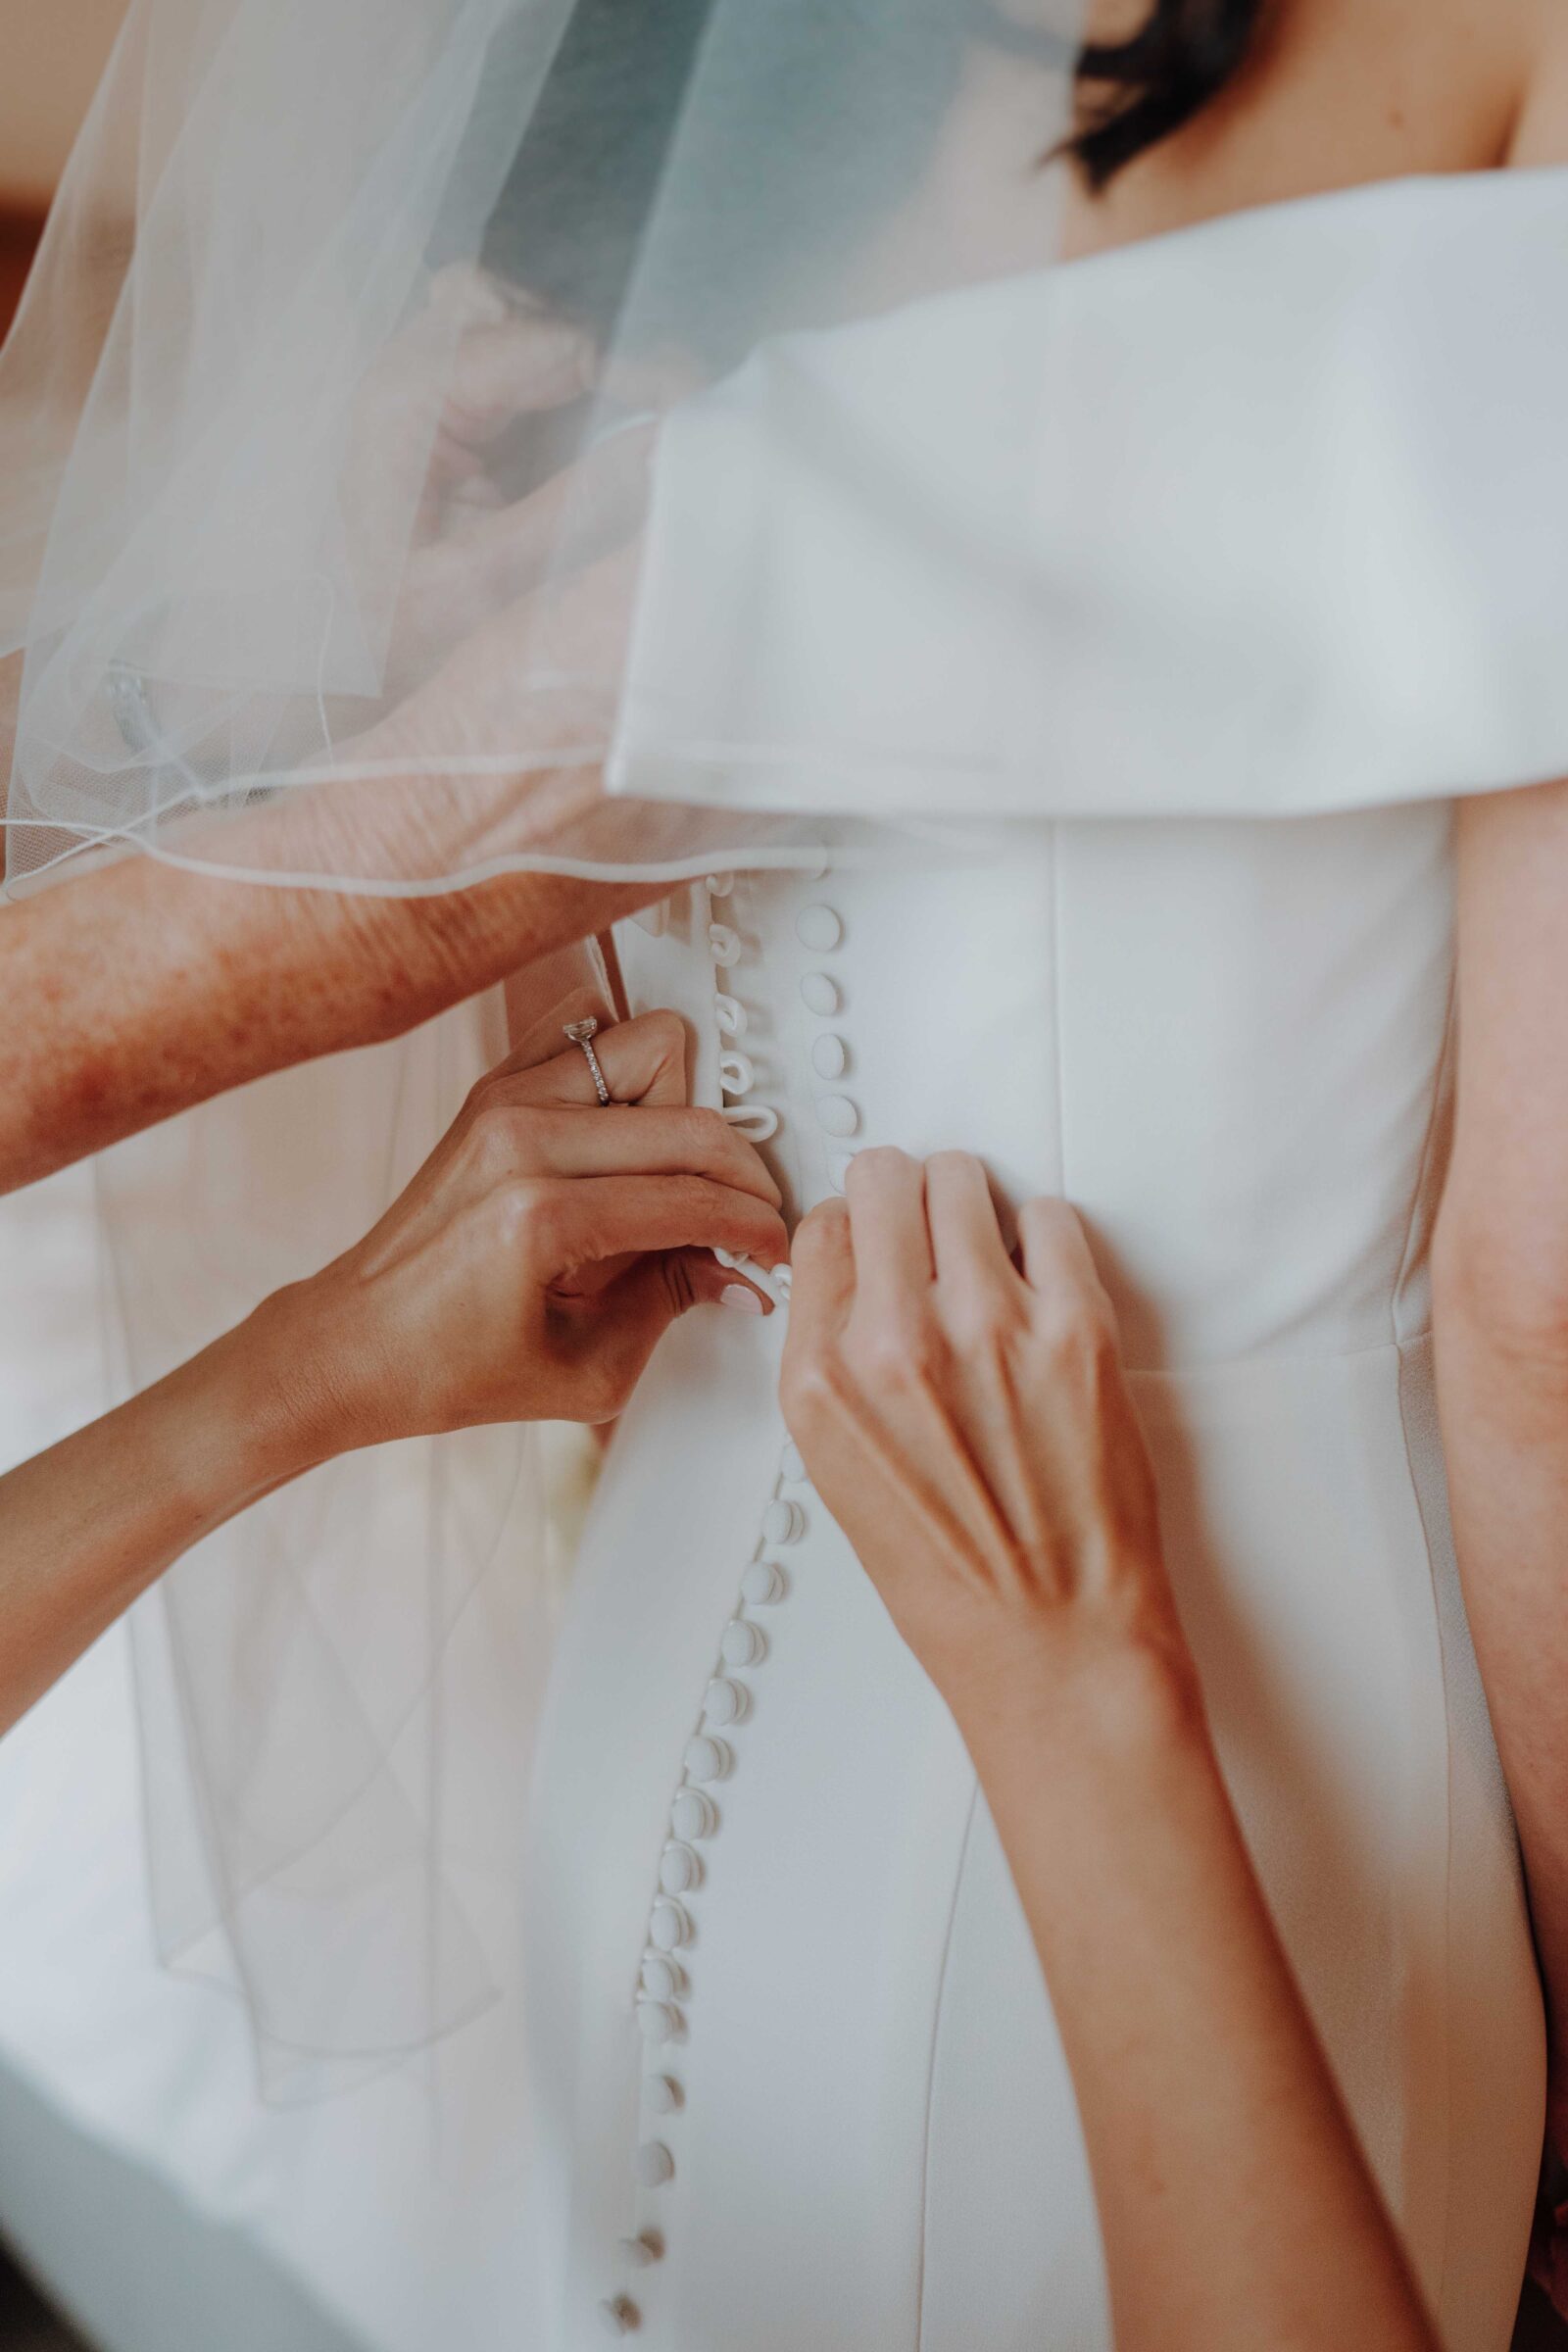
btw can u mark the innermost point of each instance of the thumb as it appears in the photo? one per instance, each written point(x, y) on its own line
point(658, 1289)
point(710, 1283)
point(654, 1293)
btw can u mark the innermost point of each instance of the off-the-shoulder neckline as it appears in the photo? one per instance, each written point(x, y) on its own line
point(1317, 203)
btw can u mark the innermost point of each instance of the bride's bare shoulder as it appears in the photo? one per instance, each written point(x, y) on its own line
point(1541, 132)
point(1337, 92)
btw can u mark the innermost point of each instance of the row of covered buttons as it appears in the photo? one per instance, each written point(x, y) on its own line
point(821, 929)
point(663, 1984)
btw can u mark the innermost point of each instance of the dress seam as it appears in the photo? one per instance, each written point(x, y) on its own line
point(1259, 1359)
point(931, 2061)
point(1058, 1047)
point(1440, 1081)
point(1444, 2214)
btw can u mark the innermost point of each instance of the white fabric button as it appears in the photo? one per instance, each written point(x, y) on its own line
point(730, 1014)
point(784, 1280)
point(791, 1460)
point(737, 1073)
point(742, 1644)
point(654, 2165)
point(723, 944)
point(668, 1925)
point(637, 2253)
point(657, 2023)
point(818, 928)
point(762, 1584)
point(662, 1979)
point(819, 994)
point(783, 1522)
point(830, 1055)
point(719, 886)
point(617, 2317)
point(754, 1120)
point(679, 1870)
point(725, 1701)
point(706, 1759)
point(664, 2095)
point(692, 1815)
point(836, 1114)
point(838, 1169)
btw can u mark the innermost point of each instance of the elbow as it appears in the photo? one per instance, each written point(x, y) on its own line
point(1501, 1286)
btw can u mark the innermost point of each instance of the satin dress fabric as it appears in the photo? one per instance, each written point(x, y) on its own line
point(1186, 586)
point(1186, 954)
point(1229, 1044)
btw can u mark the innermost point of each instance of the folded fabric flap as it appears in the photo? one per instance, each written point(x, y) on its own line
point(1264, 516)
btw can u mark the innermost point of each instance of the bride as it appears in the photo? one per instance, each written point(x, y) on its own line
point(1094, 714)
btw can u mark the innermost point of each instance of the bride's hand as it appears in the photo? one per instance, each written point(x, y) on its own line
point(531, 1266)
point(967, 1421)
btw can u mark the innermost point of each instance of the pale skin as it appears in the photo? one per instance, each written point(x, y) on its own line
point(148, 988)
point(965, 1418)
point(527, 1273)
point(1341, 91)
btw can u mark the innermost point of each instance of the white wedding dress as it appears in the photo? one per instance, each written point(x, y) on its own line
point(796, 2071)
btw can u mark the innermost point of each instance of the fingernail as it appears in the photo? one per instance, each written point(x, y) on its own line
point(745, 1302)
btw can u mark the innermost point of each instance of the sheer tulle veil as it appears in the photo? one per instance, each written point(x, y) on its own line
point(354, 405)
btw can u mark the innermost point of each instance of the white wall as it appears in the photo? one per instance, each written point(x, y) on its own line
point(50, 55)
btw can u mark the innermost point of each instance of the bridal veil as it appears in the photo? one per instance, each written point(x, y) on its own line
point(328, 437)
point(634, 438)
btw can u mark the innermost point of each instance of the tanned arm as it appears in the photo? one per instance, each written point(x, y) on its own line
point(140, 988)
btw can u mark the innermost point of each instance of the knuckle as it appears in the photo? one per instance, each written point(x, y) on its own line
point(494, 1141)
point(663, 1034)
point(663, 1026)
point(694, 1198)
point(958, 1167)
point(1051, 1225)
point(983, 1319)
point(705, 1134)
point(1077, 1331)
point(817, 1239)
point(481, 1100)
point(707, 1212)
point(515, 1209)
point(902, 1354)
point(810, 1386)
point(877, 1165)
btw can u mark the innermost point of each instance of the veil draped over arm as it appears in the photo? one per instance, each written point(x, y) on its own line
point(451, 436)
point(326, 432)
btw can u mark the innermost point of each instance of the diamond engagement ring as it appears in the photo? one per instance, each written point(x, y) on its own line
point(583, 1033)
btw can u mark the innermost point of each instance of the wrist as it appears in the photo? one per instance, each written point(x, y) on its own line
point(213, 1435)
point(278, 1383)
point(1071, 1697)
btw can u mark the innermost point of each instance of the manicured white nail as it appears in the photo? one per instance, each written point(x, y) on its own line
point(736, 1294)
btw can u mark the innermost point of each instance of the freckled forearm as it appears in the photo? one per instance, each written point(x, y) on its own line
point(141, 989)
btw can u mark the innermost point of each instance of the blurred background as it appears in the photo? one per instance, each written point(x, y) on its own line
point(52, 53)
